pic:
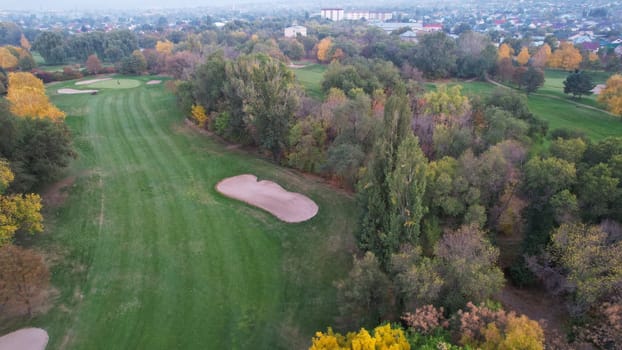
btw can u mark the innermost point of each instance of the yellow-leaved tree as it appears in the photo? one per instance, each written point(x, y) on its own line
point(28, 99)
point(323, 47)
point(384, 337)
point(523, 56)
point(198, 115)
point(165, 46)
point(7, 60)
point(566, 57)
point(17, 212)
point(505, 51)
point(611, 95)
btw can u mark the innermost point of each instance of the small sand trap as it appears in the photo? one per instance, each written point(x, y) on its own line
point(74, 91)
point(87, 82)
point(287, 206)
point(25, 339)
point(598, 88)
point(154, 82)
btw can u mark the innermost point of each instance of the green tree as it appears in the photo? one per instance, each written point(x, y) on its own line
point(270, 99)
point(50, 47)
point(374, 188)
point(545, 177)
point(578, 84)
point(435, 55)
point(598, 192)
point(364, 296)
point(208, 82)
point(571, 150)
point(589, 262)
point(467, 262)
point(532, 79)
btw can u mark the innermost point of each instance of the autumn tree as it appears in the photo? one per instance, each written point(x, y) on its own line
point(382, 337)
point(505, 51)
point(565, 57)
point(577, 84)
point(24, 43)
point(541, 57)
point(523, 57)
point(7, 59)
point(611, 95)
point(198, 115)
point(323, 48)
point(17, 212)
point(28, 99)
point(93, 64)
point(164, 47)
point(23, 276)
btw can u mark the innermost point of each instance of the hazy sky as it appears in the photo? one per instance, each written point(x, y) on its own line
point(106, 4)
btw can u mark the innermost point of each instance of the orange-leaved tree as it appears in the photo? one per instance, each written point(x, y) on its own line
point(23, 277)
point(7, 59)
point(505, 51)
point(523, 56)
point(164, 47)
point(28, 99)
point(323, 47)
point(541, 57)
point(566, 57)
point(611, 95)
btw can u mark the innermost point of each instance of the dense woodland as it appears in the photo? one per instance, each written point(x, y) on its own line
point(457, 196)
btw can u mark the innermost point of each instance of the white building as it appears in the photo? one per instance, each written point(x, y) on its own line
point(334, 14)
point(368, 15)
point(293, 31)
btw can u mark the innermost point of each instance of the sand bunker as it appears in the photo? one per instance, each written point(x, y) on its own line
point(154, 82)
point(25, 339)
point(86, 82)
point(287, 206)
point(74, 91)
point(598, 88)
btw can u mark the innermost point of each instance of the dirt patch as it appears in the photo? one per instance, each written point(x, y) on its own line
point(74, 91)
point(549, 311)
point(154, 82)
point(58, 192)
point(287, 206)
point(87, 82)
point(25, 339)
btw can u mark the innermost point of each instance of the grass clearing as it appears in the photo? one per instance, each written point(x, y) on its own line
point(310, 77)
point(558, 112)
point(150, 256)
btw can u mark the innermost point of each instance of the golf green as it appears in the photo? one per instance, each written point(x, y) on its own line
point(115, 84)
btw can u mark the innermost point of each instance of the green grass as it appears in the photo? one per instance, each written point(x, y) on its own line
point(147, 255)
point(559, 113)
point(115, 83)
point(310, 77)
